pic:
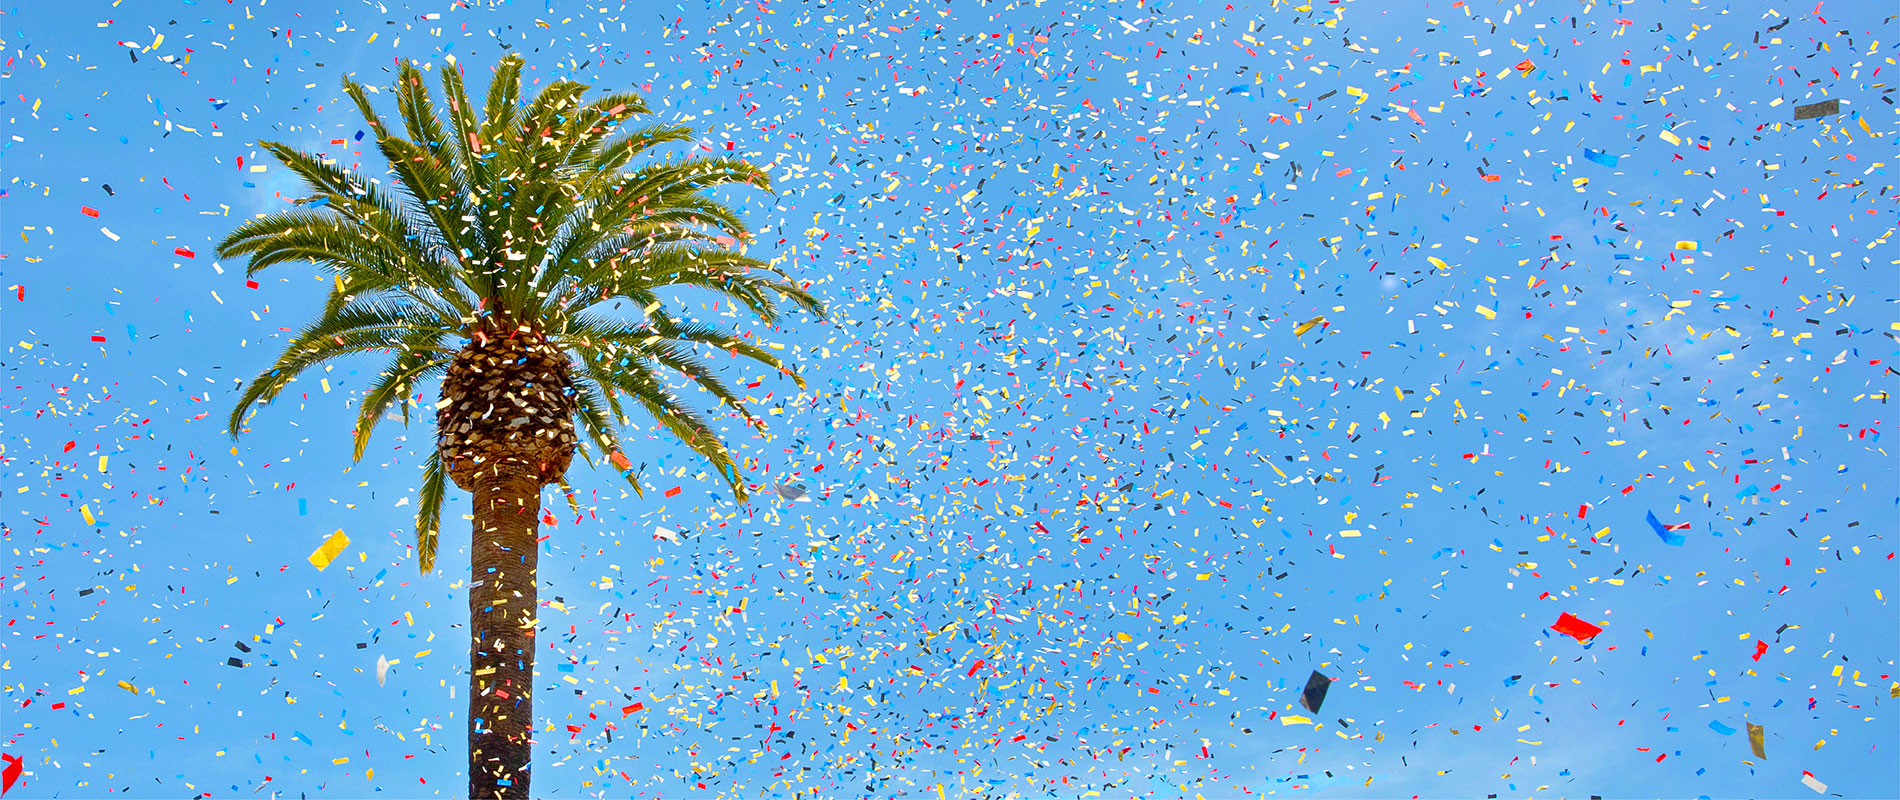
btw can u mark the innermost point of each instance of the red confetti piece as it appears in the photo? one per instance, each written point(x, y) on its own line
point(1570, 625)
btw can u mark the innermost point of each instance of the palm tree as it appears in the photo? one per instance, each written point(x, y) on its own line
point(496, 262)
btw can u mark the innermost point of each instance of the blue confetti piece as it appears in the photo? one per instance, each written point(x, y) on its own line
point(1669, 537)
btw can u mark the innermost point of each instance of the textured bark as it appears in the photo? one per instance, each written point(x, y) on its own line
point(501, 610)
point(510, 406)
point(506, 429)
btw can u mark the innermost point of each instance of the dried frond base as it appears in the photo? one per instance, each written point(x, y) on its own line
point(509, 406)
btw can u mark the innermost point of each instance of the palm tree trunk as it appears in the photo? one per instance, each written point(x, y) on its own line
point(501, 609)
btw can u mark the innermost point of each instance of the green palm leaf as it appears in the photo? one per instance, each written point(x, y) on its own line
point(429, 511)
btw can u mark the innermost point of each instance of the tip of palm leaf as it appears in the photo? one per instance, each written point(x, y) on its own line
point(426, 542)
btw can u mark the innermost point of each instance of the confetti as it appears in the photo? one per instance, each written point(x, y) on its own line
point(1315, 691)
point(11, 772)
point(1825, 108)
point(329, 550)
point(1570, 625)
point(1172, 350)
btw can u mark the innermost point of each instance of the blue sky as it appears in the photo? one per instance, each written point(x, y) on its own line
point(1172, 359)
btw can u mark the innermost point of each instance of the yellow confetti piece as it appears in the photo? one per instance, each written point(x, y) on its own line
point(332, 547)
point(1687, 244)
point(1487, 313)
point(86, 511)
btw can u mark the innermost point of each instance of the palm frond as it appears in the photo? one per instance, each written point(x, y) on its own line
point(567, 490)
point(504, 91)
point(590, 127)
point(466, 130)
point(421, 358)
point(379, 223)
point(418, 111)
point(666, 408)
point(599, 415)
point(699, 333)
point(429, 511)
point(304, 353)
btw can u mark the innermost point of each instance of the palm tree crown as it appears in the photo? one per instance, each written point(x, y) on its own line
point(509, 229)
